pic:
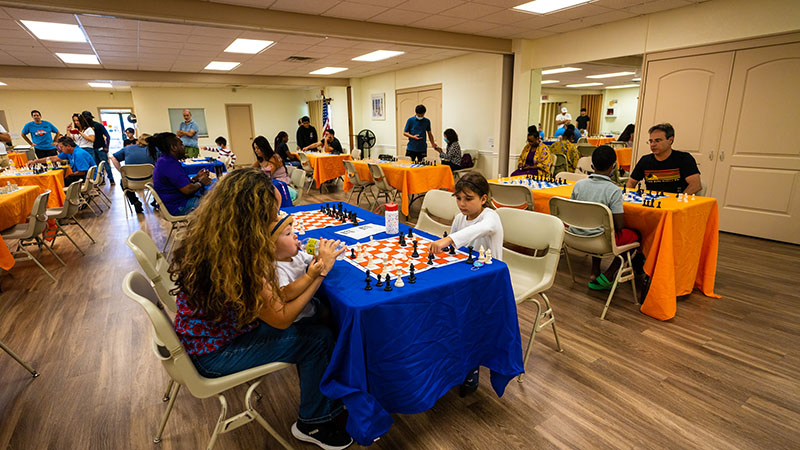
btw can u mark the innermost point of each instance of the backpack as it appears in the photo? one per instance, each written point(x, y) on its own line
point(466, 161)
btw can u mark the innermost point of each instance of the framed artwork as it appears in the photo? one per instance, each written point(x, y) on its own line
point(379, 106)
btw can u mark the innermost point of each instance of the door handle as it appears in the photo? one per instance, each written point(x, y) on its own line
point(722, 156)
point(711, 155)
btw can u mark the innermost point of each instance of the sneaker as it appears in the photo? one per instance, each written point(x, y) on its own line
point(470, 383)
point(325, 435)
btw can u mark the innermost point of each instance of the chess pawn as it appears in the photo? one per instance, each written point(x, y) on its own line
point(399, 283)
point(482, 254)
point(692, 197)
point(488, 256)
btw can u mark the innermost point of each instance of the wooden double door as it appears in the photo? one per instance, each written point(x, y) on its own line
point(736, 112)
point(406, 101)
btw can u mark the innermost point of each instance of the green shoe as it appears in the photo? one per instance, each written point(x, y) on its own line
point(601, 283)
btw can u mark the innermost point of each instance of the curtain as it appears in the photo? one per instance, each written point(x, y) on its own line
point(547, 115)
point(315, 114)
point(594, 108)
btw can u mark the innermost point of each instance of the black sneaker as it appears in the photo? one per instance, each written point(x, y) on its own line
point(325, 435)
point(470, 383)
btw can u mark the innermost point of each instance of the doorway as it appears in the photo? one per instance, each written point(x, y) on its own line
point(241, 132)
point(116, 121)
point(407, 100)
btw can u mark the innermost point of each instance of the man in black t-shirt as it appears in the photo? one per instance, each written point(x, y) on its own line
point(306, 134)
point(666, 169)
point(583, 120)
point(329, 143)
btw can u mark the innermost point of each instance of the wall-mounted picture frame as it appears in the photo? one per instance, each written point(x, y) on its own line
point(379, 106)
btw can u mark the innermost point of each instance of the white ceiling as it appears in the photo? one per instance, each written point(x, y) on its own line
point(493, 18)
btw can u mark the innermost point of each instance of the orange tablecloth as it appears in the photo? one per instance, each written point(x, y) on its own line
point(679, 241)
point(407, 180)
point(19, 159)
point(600, 141)
point(52, 180)
point(327, 167)
point(624, 158)
point(14, 208)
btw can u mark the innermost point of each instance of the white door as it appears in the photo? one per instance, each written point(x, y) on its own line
point(757, 181)
point(690, 94)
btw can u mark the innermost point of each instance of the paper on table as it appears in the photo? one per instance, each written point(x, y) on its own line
point(362, 231)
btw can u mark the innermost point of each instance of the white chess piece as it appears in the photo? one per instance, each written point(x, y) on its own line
point(370, 262)
point(488, 256)
point(692, 196)
point(685, 198)
point(399, 280)
point(482, 254)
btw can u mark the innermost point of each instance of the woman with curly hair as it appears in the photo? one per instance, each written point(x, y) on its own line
point(231, 316)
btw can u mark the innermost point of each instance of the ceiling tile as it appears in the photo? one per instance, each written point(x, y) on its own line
point(160, 27)
point(505, 4)
point(94, 32)
point(471, 11)
point(437, 22)
point(504, 31)
point(8, 24)
point(217, 32)
point(296, 39)
point(578, 12)
point(394, 17)
point(621, 4)
point(533, 34)
point(652, 7)
point(165, 37)
point(354, 11)
point(314, 7)
point(67, 47)
point(160, 44)
point(505, 17)
point(108, 22)
point(263, 35)
point(42, 16)
point(608, 17)
point(386, 3)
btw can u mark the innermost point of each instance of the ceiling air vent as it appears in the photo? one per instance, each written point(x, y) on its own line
point(299, 58)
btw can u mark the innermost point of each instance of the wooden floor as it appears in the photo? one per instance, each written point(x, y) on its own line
point(724, 374)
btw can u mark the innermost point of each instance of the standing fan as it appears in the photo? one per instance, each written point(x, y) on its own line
point(366, 140)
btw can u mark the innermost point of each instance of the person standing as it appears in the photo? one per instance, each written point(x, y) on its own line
point(42, 141)
point(306, 134)
point(82, 133)
point(563, 119)
point(5, 138)
point(187, 131)
point(583, 120)
point(416, 129)
point(666, 169)
point(102, 140)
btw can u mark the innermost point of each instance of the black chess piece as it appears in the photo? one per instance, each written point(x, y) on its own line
point(352, 253)
point(412, 276)
point(322, 208)
point(368, 277)
point(380, 282)
point(402, 240)
point(470, 260)
point(415, 253)
point(388, 286)
point(430, 259)
point(452, 249)
point(659, 205)
point(368, 287)
point(410, 232)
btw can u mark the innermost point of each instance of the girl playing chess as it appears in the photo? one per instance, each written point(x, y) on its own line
point(477, 226)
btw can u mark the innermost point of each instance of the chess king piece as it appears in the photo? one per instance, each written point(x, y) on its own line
point(415, 253)
point(470, 260)
point(488, 256)
point(482, 254)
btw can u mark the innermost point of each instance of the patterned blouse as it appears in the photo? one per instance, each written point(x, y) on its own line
point(538, 158)
point(200, 336)
point(568, 149)
point(453, 153)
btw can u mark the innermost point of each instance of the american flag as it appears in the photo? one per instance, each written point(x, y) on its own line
point(326, 116)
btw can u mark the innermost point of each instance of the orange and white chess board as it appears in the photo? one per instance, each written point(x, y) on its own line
point(399, 257)
point(314, 220)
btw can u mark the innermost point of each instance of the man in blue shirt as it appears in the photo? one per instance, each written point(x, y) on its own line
point(187, 131)
point(40, 130)
point(135, 153)
point(416, 129)
point(79, 159)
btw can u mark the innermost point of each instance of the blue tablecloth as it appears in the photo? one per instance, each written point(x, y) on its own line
point(400, 351)
point(193, 168)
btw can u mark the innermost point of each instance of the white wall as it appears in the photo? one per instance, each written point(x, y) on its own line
point(625, 108)
point(471, 90)
point(56, 106)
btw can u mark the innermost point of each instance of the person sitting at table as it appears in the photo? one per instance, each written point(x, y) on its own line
point(478, 226)
point(328, 144)
point(267, 159)
point(231, 314)
point(452, 155)
point(666, 169)
point(565, 145)
point(282, 148)
point(135, 153)
point(599, 188)
point(179, 194)
point(80, 161)
point(535, 156)
point(224, 151)
point(82, 133)
point(627, 135)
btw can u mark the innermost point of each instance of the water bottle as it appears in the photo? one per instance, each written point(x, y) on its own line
point(392, 219)
point(311, 246)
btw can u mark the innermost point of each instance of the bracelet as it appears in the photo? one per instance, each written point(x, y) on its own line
point(323, 276)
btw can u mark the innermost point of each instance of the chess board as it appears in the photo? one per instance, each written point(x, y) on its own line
point(314, 220)
point(390, 248)
point(192, 161)
point(530, 184)
point(634, 197)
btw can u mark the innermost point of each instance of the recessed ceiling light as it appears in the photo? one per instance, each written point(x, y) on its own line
point(49, 31)
point(3, 84)
point(560, 70)
point(611, 75)
point(77, 58)
point(620, 86)
point(584, 84)
point(548, 6)
point(100, 85)
point(550, 81)
point(249, 46)
point(328, 70)
point(636, 79)
point(378, 55)
point(221, 65)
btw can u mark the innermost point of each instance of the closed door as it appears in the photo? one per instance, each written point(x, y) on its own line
point(241, 132)
point(757, 179)
point(406, 105)
point(690, 94)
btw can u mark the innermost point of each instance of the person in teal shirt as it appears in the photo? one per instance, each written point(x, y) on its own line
point(416, 129)
point(41, 135)
point(187, 131)
point(80, 161)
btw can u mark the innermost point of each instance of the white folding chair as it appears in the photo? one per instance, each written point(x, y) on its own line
point(475, 155)
point(532, 275)
point(97, 180)
point(134, 179)
point(559, 163)
point(31, 233)
point(176, 362)
point(22, 363)
point(511, 196)
point(65, 215)
point(360, 186)
point(298, 182)
point(88, 192)
point(437, 213)
point(355, 154)
point(569, 176)
point(594, 215)
point(585, 166)
point(702, 190)
point(586, 149)
point(154, 265)
point(384, 188)
point(305, 163)
point(177, 222)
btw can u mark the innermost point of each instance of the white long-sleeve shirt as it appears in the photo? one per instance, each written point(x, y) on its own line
point(485, 230)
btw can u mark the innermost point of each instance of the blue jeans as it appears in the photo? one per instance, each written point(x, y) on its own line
point(102, 155)
point(190, 205)
point(307, 343)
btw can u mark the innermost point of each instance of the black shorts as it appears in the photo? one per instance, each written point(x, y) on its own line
point(415, 156)
point(45, 153)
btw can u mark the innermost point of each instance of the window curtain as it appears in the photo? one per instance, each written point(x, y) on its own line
point(315, 114)
point(594, 108)
point(547, 115)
